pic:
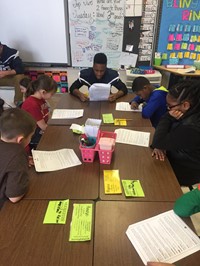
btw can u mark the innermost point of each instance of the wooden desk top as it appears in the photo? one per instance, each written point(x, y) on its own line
point(68, 101)
point(112, 246)
point(79, 182)
point(136, 118)
point(134, 162)
point(25, 240)
point(175, 71)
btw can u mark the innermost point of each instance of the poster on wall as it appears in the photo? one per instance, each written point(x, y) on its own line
point(179, 35)
point(96, 26)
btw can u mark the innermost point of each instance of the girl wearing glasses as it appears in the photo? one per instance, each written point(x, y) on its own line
point(177, 135)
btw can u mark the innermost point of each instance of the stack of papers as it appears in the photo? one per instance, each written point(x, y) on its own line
point(163, 238)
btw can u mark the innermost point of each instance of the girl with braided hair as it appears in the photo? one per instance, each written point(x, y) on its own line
point(177, 135)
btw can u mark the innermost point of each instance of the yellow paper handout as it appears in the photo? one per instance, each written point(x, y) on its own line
point(112, 183)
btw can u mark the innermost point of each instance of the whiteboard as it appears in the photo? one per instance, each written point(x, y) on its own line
point(37, 28)
point(96, 26)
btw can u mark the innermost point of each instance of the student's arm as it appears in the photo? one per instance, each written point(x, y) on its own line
point(135, 102)
point(188, 204)
point(5, 73)
point(42, 124)
point(150, 108)
point(74, 89)
point(16, 199)
point(118, 84)
point(17, 176)
point(114, 96)
point(179, 137)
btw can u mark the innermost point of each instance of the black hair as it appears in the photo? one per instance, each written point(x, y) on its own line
point(100, 58)
point(1, 106)
point(187, 90)
point(15, 122)
point(43, 82)
point(25, 82)
point(139, 83)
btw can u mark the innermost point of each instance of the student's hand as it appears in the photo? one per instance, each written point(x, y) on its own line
point(3, 74)
point(134, 105)
point(113, 97)
point(30, 161)
point(83, 97)
point(159, 154)
point(150, 263)
point(176, 114)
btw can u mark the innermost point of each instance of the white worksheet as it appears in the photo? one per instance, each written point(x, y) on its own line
point(163, 238)
point(132, 137)
point(125, 106)
point(99, 92)
point(46, 161)
point(67, 113)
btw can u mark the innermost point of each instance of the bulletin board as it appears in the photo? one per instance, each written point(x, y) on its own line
point(143, 33)
point(179, 34)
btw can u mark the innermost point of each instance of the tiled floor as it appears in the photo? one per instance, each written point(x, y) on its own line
point(72, 74)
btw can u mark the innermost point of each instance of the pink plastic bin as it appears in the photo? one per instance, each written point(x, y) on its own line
point(105, 156)
point(88, 154)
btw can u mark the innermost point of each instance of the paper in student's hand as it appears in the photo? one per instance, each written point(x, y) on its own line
point(99, 92)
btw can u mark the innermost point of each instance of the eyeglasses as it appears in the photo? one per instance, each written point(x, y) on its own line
point(169, 107)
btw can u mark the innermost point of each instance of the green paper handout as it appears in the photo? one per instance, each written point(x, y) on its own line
point(108, 118)
point(56, 212)
point(132, 188)
point(81, 224)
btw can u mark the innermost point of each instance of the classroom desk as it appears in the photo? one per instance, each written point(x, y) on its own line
point(68, 101)
point(79, 182)
point(134, 162)
point(135, 117)
point(25, 240)
point(112, 246)
point(177, 71)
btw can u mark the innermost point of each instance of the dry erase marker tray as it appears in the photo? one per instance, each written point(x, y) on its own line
point(105, 156)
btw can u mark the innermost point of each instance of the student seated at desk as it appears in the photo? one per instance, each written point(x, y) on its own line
point(153, 99)
point(177, 134)
point(11, 69)
point(16, 129)
point(99, 73)
point(39, 90)
point(23, 84)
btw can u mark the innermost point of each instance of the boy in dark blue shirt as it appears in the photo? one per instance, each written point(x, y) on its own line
point(153, 99)
point(99, 73)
